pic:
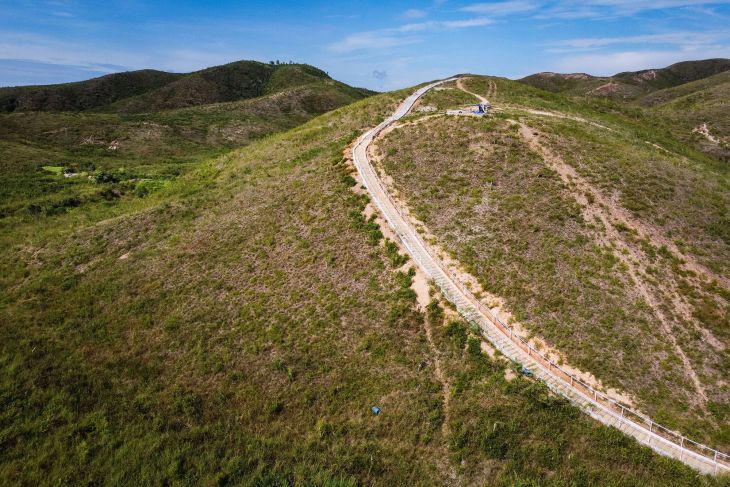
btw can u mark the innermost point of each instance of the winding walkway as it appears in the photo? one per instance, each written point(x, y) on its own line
point(593, 402)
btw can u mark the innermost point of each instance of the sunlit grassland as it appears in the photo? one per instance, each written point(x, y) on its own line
point(235, 327)
point(514, 224)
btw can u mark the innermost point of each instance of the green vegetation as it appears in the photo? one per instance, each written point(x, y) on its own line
point(139, 153)
point(236, 324)
point(515, 224)
point(692, 106)
point(685, 99)
point(445, 97)
point(149, 90)
point(628, 85)
point(507, 429)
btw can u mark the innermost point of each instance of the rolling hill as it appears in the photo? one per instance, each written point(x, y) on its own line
point(211, 297)
point(628, 85)
point(150, 90)
point(596, 231)
point(698, 112)
point(237, 326)
point(135, 153)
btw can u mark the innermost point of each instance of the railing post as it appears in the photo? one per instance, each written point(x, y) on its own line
point(715, 460)
point(681, 449)
point(571, 381)
point(622, 411)
point(651, 425)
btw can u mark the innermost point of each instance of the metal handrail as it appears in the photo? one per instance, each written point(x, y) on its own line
point(718, 458)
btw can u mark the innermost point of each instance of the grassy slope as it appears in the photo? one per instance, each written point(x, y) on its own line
point(692, 104)
point(149, 90)
point(511, 220)
point(236, 326)
point(628, 85)
point(84, 95)
point(143, 152)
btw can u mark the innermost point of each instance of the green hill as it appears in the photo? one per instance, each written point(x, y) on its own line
point(594, 229)
point(114, 154)
point(698, 113)
point(83, 95)
point(628, 85)
point(148, 90)
point(236, 326)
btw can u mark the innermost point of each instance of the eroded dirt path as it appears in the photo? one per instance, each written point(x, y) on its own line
point(460, 85)
point(651, 233)
point(704, 130)
point(609, 214)
point(601, 209)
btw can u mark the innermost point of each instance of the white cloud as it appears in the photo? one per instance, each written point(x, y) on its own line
point(50, 50)
point(460, 24)
point(577, 9)
point(369, 40)
point(502, 8)
point(384, 38)
point(607, 64)
point(414, 13)
point(684, 39)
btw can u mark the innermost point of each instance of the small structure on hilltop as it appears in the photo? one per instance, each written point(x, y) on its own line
point(480, 110)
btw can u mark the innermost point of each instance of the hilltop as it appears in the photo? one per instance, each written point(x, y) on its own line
point(150, 90)
point(630, 84)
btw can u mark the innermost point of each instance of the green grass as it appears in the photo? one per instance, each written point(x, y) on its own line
point(692, 104)
point(679, 100)
point(513, 223)
point(628, 85)
point(447, 97)
point(57, 170)
point(236, 325)
point(133, 149)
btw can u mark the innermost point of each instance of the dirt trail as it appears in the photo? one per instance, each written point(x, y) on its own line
point(652, 234)
point(492, 92)
point(608, 213)
point(460, 85)
point(704, 130)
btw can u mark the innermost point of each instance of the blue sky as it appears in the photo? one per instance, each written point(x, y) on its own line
point(380, 45)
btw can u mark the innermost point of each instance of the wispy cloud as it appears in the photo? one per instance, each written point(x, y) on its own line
point(370, 40)
point(415, 13)
point(402, 35)
point(685, 39)
point(574, 9)
point(502, 8)
point(579, 9)
point(605, 64)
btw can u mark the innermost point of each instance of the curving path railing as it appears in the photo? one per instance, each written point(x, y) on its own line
point(508, 342)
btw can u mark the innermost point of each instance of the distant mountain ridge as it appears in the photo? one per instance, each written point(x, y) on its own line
point(151, 90)
point(629, 84)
